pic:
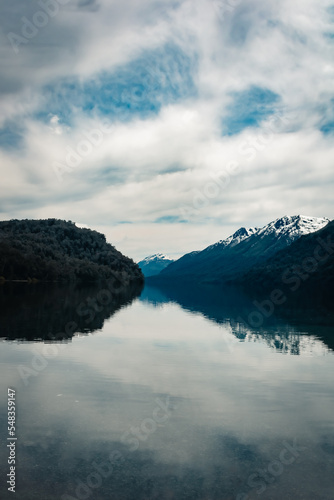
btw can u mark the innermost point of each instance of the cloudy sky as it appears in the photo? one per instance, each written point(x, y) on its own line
point(166, 124)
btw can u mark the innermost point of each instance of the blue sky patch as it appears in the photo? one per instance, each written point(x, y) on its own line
point(327, 128)
point(10, 137)
point(138, 89)
point(168, 219)
point(326, 125)
point(248, 109)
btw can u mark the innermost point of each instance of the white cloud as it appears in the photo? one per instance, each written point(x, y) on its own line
point(150, 168)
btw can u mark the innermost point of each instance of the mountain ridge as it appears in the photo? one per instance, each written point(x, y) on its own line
point(154, 264)
point(306, 267)
point(242, 250)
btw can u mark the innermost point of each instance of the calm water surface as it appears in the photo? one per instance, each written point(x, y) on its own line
point(165, 397)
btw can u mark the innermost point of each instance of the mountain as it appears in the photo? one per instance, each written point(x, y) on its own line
point(239, 252)
point(154, 264)
point(194, 261)
point(56, 250)
point(303, 270)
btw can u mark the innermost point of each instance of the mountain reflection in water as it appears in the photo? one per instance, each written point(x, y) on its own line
point(288, 329)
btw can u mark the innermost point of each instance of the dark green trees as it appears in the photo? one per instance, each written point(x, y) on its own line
point(56, 250)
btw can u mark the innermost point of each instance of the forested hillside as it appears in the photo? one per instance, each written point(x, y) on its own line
point(56, 250)
point(304, 269)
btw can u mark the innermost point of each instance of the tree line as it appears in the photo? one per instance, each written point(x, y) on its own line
point(57, 250)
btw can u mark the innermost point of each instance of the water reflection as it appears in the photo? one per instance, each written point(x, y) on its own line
point(50, 312)
point(292, 327)
point(166, 402)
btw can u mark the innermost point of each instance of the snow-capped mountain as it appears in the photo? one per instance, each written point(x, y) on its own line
point(307, 265)
point(293, 227)
point(281, 233)
point(232, 240)
point(243, 249)
point(154, 264)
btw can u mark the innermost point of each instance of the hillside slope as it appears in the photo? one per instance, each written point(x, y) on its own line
point(56, 250)
point(244, 249)
point(305, 268)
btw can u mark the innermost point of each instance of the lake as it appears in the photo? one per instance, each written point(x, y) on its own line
point(171, 394)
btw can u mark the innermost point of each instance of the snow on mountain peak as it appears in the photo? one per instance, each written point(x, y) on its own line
point(287, 227)
point(280, 232)
point(293, 226)
point(156, 257)
point(242, 234)
point(234, 239)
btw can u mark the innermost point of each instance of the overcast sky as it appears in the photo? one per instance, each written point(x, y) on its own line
point(166, 125)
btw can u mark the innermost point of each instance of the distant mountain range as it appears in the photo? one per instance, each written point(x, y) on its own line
point(231, 259)
point(154, 264)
